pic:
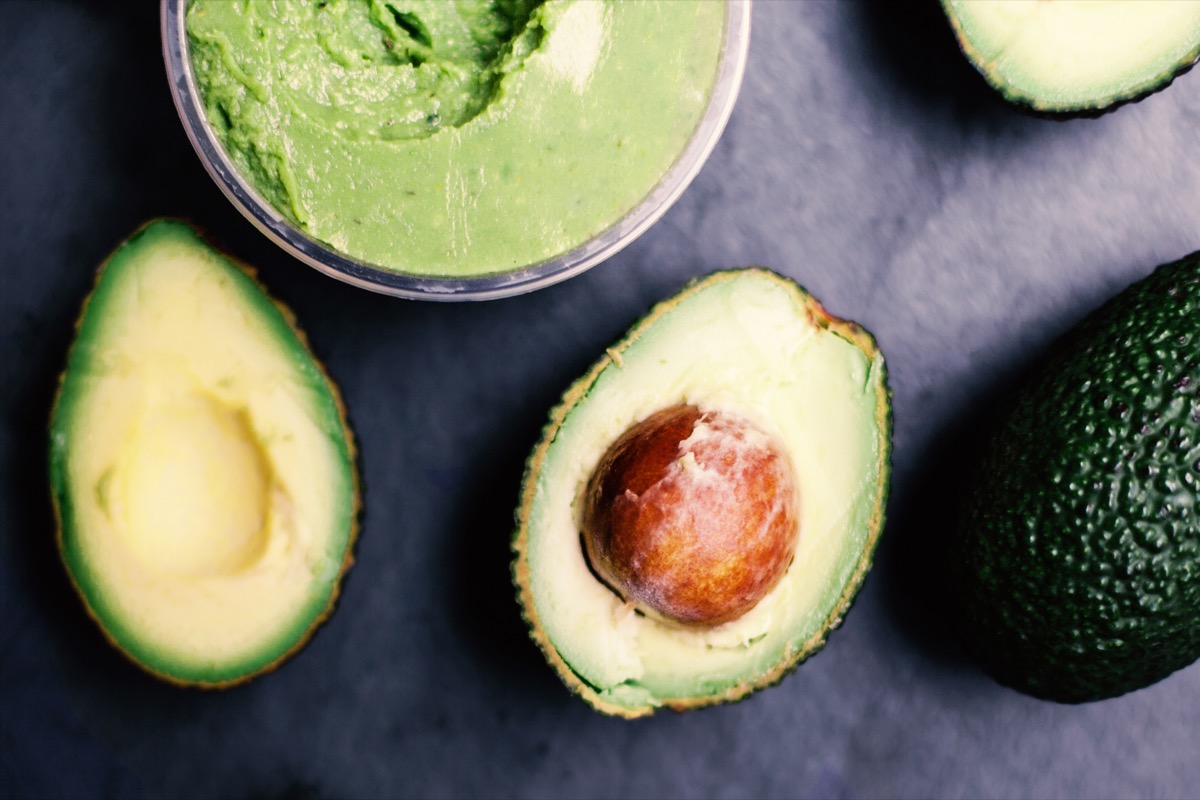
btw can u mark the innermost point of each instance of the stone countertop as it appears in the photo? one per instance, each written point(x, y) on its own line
point(864, 159)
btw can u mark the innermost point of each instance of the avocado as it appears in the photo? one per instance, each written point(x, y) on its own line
point(770, 414)
point(201, 466)
point(1077, 565)
point(1077, 57)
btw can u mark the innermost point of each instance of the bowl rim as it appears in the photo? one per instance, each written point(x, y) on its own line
point(334, 263)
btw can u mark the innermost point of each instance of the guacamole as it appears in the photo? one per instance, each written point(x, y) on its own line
point(454, 138)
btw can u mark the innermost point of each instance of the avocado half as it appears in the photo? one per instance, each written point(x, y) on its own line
point(750, 342)
point(1077, 57)
point(201, 466)
point(1075, 573)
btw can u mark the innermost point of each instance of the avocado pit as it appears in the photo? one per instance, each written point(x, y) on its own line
point(692, 515)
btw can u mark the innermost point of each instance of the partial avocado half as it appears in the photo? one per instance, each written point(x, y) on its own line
point(1077, 57)
point(202, 468)
point(749, 342)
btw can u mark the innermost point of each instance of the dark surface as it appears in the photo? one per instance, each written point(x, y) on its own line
point(864, 159)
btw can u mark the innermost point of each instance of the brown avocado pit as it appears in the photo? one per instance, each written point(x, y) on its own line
point(692, 515)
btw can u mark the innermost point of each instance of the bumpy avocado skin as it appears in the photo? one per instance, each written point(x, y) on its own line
point(1077, 568)
point(1039, 108)
point(207, 676)
point(578, 392)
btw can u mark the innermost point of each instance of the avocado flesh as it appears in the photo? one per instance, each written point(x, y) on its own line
point(1077, 55)
point(200, 465)
point(1077, 567)
point(749, 342)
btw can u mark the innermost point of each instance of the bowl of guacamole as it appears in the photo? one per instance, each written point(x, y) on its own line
point(454, 150)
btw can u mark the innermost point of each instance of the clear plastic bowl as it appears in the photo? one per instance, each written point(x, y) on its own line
point(339, 265)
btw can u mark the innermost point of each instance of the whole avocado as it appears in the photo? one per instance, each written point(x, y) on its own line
point(1077, 566)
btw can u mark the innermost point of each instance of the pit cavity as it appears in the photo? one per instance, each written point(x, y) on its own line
point(191, 492)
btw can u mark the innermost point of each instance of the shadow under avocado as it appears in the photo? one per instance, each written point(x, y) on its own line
point(913, 561)
point(926, 505)
point(481, 595)
point(909, 52)
point(913, 47)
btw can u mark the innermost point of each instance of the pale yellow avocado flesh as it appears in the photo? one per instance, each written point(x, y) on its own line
point(1064, 54)
point(200, 463)
point(748, 342)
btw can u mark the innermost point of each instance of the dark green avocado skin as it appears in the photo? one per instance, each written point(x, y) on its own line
point(1076, 569)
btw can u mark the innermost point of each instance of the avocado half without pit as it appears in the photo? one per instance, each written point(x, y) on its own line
point(1077, 57)
point(705, 502)
point(201, 465)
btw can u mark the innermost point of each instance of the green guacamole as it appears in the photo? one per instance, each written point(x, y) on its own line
point(454, 137)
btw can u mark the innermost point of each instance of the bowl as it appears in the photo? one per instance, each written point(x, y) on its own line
point(373, 277)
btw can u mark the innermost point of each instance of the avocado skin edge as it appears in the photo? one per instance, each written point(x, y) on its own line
point(1075, 573)
point(1031, 107)
point(578, 390)
point(58, 489)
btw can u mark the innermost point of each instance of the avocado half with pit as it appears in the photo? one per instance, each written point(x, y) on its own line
point(201, 466)
point(705, 502)
point(1077, 57)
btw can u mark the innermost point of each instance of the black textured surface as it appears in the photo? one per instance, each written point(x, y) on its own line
point(1077, 569)
point(866, 160)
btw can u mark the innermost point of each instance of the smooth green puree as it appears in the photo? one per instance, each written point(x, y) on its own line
point(454, 137)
